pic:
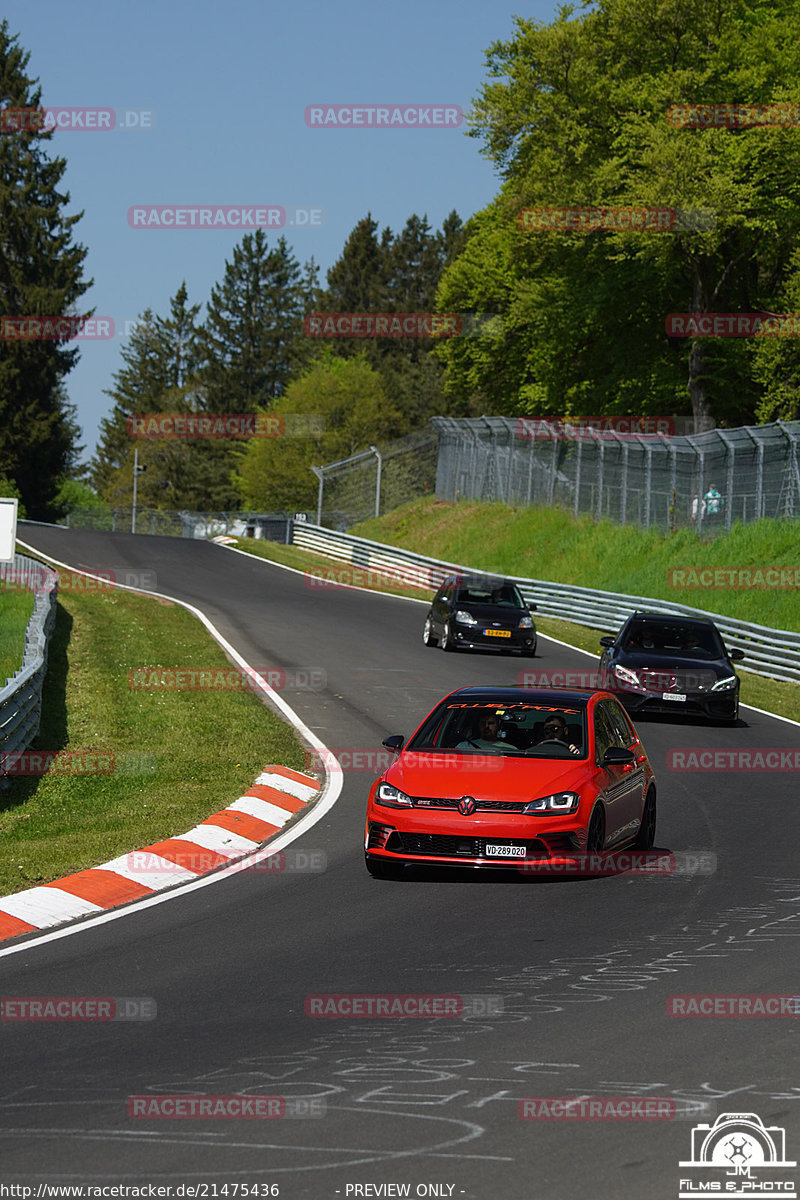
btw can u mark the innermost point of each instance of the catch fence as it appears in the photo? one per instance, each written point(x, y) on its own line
point(653, 480)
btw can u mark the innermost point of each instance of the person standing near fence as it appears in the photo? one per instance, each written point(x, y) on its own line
point(714, 503)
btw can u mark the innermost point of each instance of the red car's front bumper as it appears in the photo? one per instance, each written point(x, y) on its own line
point(447, 838)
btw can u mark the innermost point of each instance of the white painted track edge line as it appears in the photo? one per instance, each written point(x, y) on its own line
point(328, 795)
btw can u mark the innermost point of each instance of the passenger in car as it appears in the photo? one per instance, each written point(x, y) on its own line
point(486, 735)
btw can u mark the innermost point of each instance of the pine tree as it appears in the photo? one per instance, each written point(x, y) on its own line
point(161, 361)
point(252, 334)
point(41, 274)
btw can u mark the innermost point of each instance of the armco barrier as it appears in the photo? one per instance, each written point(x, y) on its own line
point(774, 653)
point(21, 698)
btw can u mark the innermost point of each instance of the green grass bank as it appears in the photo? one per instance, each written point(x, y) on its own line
point(178, 755)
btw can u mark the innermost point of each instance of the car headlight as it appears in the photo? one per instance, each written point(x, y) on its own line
point(465, 618)
point(625, 675)
point(725, 685)
point(386, 794)
point(559, 802)
point(526, 623)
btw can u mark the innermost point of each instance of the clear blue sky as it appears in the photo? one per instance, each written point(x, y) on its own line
point(229, 82)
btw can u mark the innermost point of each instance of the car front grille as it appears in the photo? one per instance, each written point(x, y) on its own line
point(447, 846)
point(480, 805)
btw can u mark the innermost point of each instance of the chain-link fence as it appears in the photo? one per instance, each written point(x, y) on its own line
point(705, 480)
point(351, 490)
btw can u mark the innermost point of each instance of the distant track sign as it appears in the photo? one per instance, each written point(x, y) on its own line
point(8, 529)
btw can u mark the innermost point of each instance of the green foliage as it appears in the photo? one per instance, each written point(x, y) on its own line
point(396, 273)
point(41, 275)
point(253, 332)
point(574, 114)
point(345, 399)
point(161, 364)
point(74, 493)
point(10, 491)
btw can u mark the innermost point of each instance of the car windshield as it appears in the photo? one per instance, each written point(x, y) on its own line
point(502, 595)
point(688, 641)
point(513, 729)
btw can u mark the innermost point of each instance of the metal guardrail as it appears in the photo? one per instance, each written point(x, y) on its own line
point(774, 653)
point(21, 698)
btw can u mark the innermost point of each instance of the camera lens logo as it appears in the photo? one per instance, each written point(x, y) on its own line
point(743, 1156)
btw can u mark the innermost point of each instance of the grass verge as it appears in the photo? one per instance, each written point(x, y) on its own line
point(16, 606)
point(551, 544)
point(178, 756)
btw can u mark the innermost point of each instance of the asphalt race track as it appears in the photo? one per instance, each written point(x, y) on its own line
point(584, 967)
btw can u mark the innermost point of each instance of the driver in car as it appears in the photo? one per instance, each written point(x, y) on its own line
point(486, 736)
point(555, 730)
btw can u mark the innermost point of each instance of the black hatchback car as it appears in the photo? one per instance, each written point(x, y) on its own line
point(660, 663)
point(472, 612)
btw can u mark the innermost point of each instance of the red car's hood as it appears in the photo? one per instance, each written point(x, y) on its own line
point(451, 776)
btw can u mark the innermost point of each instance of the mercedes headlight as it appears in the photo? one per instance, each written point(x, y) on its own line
point(625, 675)
point(725, 685)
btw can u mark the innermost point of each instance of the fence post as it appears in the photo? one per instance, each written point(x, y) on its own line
point(578, 479)
point(600, 478)
point(701, 486)
point(648, 482)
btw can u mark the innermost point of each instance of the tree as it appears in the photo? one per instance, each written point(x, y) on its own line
point(41, 274)
point(253, 332)
point(357, 280)
point(161, 364)
point(345, 410)
point(396, 273)
point(575, 114)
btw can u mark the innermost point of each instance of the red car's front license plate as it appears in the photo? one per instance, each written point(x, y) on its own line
point(505, 851)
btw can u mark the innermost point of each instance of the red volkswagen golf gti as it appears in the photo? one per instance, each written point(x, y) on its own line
point(496, 777)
